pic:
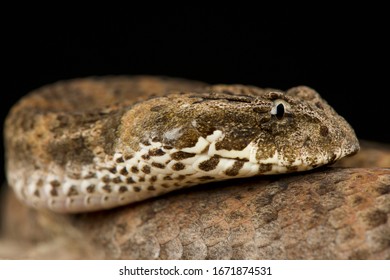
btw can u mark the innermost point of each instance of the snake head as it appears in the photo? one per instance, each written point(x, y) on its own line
point(266, 131)
point(303, 132)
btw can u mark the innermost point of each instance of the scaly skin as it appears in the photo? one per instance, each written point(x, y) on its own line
point(92, 144)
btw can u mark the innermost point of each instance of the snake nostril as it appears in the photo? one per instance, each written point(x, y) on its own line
point(324, 131)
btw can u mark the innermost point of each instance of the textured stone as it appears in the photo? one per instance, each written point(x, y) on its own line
point(254, 218)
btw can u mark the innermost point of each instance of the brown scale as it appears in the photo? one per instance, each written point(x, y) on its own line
point(117, 180)
point(91, 188)
point(37, 193)
point(209, 164)
point(168, 147)
point(180, 177)
point(178, 166)
point(106, 179)
point(54, 192)
point(145, 157)
point(39, 183)
point(153, 179)
point(120, 160)
point(233, 171)
point(134, 169)
point(124, 171)
point(72, 191)
point(182, 155)
point(123, 189)
point(146, 169)
point(265, 167)
point(206, 178)
point(130, 180)
point(55, 183)
point(156, 153)
point(112, 170)
point(107, 188)
point(128, 157)
point(158, 165)
point(290, 168)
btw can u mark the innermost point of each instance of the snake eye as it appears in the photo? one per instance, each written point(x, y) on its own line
point(279, 109)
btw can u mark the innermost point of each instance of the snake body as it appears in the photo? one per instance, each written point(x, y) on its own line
point(85, 145)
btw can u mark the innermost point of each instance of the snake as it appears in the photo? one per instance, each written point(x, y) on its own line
point(97, 143)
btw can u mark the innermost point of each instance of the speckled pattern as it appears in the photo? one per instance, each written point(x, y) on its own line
point(99, 143)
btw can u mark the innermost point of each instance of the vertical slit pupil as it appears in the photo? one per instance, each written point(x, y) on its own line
point(280, 111)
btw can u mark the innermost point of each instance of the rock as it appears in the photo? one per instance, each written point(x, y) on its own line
point(371, 154)
point(333, 213)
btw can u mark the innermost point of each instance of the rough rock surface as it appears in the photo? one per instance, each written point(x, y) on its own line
point(372, 154)
point(334, 213)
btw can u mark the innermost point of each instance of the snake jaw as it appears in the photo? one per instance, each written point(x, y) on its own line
point(246, 154)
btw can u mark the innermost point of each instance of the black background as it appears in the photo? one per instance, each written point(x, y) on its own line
point(343, 54)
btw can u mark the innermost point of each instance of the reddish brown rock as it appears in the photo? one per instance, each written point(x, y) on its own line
point(334, 213)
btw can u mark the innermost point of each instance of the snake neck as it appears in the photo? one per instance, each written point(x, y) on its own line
point(129, 176)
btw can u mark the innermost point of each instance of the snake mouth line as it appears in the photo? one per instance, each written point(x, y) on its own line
point(235, 159)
